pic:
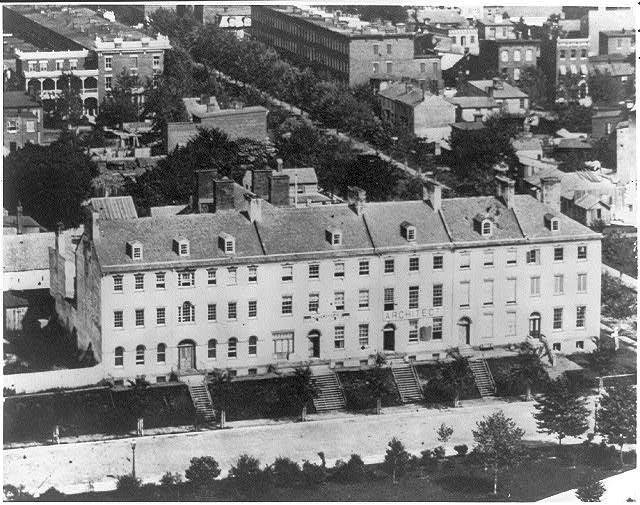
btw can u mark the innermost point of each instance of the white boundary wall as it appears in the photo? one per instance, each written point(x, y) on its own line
point(41, 381)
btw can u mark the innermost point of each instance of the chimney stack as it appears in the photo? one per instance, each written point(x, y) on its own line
point(59, 230)
point(223, 194)
point(279, 189)
point(432, 192)
point(19, 223)
point(550, 187)
point(95, 225)
point(505, 189)
point(356, 197)
point(204, 194)
point(280, 164)
point(260, 182)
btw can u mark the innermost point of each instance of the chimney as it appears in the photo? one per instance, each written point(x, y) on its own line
point(19, 223)
point(551, 192)
point(255, 208)
point(260, 182)
point(95, 225)
point(356, 197)
point(204, 195)
point(505, 189)
point(432, 192)
point(223, 194)
point(278, 189)
point(280, 164)
point(59, 230)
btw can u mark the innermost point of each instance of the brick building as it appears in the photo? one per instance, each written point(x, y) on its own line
point(617, 42)
point(353, 51)
point(243, 122)
point(246, 285)
point(562, 58)
point(22, 119)
point(78, 42)
point(511, 99)
point(508, 57)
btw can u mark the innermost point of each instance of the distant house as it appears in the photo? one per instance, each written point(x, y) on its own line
point(615, 65)
point(617, 42)
point(512, 99)
point(411, 109)
point(242, 122)
point(474, 108)
point(22, 120)
point(585, 195)
point(604, 120)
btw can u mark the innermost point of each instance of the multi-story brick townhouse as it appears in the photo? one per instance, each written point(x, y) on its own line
point(77, 41)
point(353, 51)
point(563, 57)
point(245, 284)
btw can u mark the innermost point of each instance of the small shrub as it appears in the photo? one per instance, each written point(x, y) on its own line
point(13, 493)
point(313, 475)
point(461, 449)
point(51, 494)
point(170, 479)
point(439, 452)
point(599, 455)
point(351, 471)
point(285, 472)
point(202, 471)
point(247, 477)
point(444, 433)
point(128, 485)
point(590, 490)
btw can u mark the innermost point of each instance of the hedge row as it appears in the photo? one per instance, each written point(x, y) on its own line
point(360, 389)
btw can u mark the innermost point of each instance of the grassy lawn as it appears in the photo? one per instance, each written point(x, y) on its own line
point(455, 479)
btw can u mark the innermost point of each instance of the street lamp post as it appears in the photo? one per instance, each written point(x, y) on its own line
point(133, 459)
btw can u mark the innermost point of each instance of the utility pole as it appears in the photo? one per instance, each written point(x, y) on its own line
point(133, 459)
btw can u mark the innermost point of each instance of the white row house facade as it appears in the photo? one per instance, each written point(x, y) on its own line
point(261, 285)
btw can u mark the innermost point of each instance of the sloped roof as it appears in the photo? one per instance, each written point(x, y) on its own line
point(459, 214)
point(570, 182)
point(306, 175)
point(27, 222)
point(507, 90)
point(471, 102)
point(589, 201)
point(115, 207)
point(403, 93)
point(29, 251)
point(167, 210)
point(18, 99)
point(229, 112)
point(530, 211)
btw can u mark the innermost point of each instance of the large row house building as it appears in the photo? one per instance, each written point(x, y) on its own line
point(75, 46)
point(245, 285)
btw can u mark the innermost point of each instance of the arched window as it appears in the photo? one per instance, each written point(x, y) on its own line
point(253, 345)
point(187, 313)
point(232, 351)
point(162, 353)
point(119, 356)
point(212, 348)
point(140, 355)
point(534, 324)
point(486, 227)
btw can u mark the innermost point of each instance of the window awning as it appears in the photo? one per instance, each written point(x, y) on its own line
point(574, 70)
point(583, 70)
point(563, 70)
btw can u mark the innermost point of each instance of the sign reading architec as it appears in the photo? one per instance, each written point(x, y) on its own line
point(400, 315)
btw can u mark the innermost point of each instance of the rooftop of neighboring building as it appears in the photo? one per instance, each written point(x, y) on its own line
point(286, 233)
point(497, 21)
point(18, 100)
point(468, 125)
point(573, 143)
point(79, 24)
point(473, 102)
point(619, 33)
point(616, 67)
point(27, 222)
point(440, 16)
point(229, 112)
point(604, 112)
point(305, 175)
point(10, 43)
point(570, 182)
point(27, 251)
point(514, 41)
point(114, 207)
point(500, 89)
point(403, 92)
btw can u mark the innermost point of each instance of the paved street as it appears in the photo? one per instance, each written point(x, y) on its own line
point(71, 468)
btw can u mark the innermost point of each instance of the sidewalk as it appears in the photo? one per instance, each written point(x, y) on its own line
point(79, 467)
point(620, 488)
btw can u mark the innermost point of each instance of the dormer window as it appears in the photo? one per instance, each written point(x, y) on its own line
point(486, 227)
point(551, 222)
point(334, 236)
point(483, 224)
point(408, 231)
point(227, 243)
point(134, 250)
point(181, 247)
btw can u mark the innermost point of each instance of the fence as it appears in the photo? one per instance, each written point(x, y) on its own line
point(42, 381)
point(616, 380)
point(627, 280)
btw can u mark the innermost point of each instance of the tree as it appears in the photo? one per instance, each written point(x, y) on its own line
point(616, 417)
point(590, 490)
point(202, 472)
point(51, 182)
point(498, 444)
point(300, 389)
point(604, 88)
point(620, 252)
point(533, 82)
point(574, 117)
point(444, 433)
point(618, 301)
point(396, 459)
point(163, 102)
point(128, 485)
point(120, 105)
point(561, 412)
point(68, 105)
point(527, 369)
point(247, 476)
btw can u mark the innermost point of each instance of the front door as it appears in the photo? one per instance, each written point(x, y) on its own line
point(314, 346)
point(534, 325)
point(464, 331)
point(389, 339)
point(186, 357)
